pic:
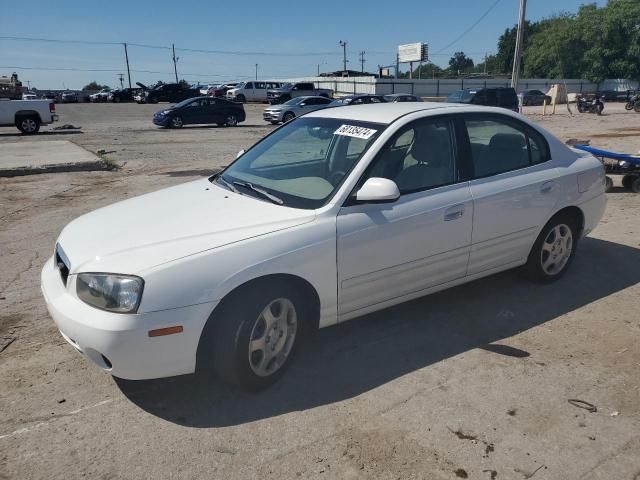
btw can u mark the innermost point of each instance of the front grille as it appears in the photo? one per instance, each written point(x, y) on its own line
point(62, 263)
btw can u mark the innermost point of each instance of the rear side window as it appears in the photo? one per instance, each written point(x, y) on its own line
point(500, 145)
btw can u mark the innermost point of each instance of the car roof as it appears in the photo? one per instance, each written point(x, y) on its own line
point(386, 112)
point(399, 95)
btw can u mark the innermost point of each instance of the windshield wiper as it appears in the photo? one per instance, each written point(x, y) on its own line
point(261, 192)
point(221, 179)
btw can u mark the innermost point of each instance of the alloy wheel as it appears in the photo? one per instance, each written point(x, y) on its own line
point(556, 249)
point(272, 337)
point(29, 125)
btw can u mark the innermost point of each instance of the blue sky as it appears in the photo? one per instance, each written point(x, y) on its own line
point(292, 27)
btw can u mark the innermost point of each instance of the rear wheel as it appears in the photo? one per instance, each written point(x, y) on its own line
point(553, 250)
point(241, 98)
point(627, 180)
point(176, 122)
point(635, 184)
point(636, 107)
point(288, 117)
point(29, 125)
point(251, 338)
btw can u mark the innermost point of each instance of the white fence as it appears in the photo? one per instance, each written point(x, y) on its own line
point(443, 87)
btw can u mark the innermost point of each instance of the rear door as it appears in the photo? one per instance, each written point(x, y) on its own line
point(513, 188)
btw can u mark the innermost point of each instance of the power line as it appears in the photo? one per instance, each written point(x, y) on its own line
point(473, 25)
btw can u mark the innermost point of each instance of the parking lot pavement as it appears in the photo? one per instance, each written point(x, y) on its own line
point(472, 382)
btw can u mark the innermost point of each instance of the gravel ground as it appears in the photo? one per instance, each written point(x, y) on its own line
point(472, 382)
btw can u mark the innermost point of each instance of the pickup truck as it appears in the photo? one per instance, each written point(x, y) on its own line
point(291, 90)
point(27, 115)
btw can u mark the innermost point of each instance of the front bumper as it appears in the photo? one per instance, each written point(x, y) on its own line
point(161, 121)
point(272, 116)
point(120, 343)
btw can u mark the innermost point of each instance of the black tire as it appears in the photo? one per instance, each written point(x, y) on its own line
point(628, 106)
point(636, 107)
point(274, 122)
point(533, 269)
point(635, 184)
point(608, 184)
point(241, 98)
point(581, 109)
point(176, 122)
point(28, 124)
point(224, 347)
point(599, 109)
point(231, 120)
point(288, 117)
point(627, 180)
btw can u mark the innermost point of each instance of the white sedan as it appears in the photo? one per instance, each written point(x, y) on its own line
point(334, 215)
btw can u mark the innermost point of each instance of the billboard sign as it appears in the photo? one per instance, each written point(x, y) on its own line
point(413, 52)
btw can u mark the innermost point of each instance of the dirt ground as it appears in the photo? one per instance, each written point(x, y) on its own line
point(472, 382)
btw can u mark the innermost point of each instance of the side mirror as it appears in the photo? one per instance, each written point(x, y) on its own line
point(378, 190)
point(240, 153)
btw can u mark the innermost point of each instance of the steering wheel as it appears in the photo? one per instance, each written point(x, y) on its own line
point(336, 177)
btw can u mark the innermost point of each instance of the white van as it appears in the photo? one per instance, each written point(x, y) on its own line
point(251, 91)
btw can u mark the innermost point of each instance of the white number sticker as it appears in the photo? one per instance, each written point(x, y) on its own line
point(354, 131)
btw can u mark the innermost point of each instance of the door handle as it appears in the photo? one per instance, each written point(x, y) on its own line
point(453, 213)
point(547, 186)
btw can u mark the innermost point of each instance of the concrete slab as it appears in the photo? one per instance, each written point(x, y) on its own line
point(27, 158)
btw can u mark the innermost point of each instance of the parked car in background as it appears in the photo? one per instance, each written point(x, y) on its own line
point(201, 110)
point(357, 100)
point(504, 97)
point(204, 89)
point(124, 95)
point(221, 90)
point(100, 96)
point(534, 97)
point(287, 91)
point(167, 92)
point(615, 95)
point(29, 96)
point(295, 107)
point(402, 97)
point(334, 215)
point(27, 115)
point(51, 97)
point(69, 97)
point(251, 91)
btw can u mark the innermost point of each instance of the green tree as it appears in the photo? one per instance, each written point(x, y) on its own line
point(94, 86)
point(460, 63)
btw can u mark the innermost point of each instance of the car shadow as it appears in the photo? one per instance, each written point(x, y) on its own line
point(347, 360)
point(45, 133)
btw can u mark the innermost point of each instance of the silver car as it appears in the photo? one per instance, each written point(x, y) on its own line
point(295, 107)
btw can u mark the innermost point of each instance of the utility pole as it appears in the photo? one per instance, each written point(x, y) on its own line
point(486, 57)
point(121, 78)
point(256, 72)
point(362, 61)
point(343, 44)
point(126, 56)
point(518, 53)
point(175, 60)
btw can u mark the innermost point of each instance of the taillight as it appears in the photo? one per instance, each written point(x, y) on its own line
point(52, 107)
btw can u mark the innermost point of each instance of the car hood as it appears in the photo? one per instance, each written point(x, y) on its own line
point(138, 234)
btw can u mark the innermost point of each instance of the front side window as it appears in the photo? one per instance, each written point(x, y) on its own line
point(501, 145)
point(418, 157)
point(303, 162)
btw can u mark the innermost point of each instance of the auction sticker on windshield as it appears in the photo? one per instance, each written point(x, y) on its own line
point(354, 131)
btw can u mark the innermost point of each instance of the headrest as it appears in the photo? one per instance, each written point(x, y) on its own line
point(507, 141)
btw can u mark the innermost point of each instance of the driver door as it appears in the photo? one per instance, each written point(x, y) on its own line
point(390, 252)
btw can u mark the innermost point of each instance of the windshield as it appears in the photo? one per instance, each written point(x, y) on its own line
point(302, 163)
point(186, 102)
point(285, 86)
point(240, 85)
point(294, 101)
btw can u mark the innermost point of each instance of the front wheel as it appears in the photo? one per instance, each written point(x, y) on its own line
point(628, 106)
point(553, 250)
point(241, 98)
point(288, 117)
point(251, 339)
point(231, 120)
point(176, 122)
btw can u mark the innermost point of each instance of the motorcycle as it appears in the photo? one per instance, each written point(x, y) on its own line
point(633, 103)
point(588, 105)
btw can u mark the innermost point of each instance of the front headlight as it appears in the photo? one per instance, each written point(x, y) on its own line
point(114, 293)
